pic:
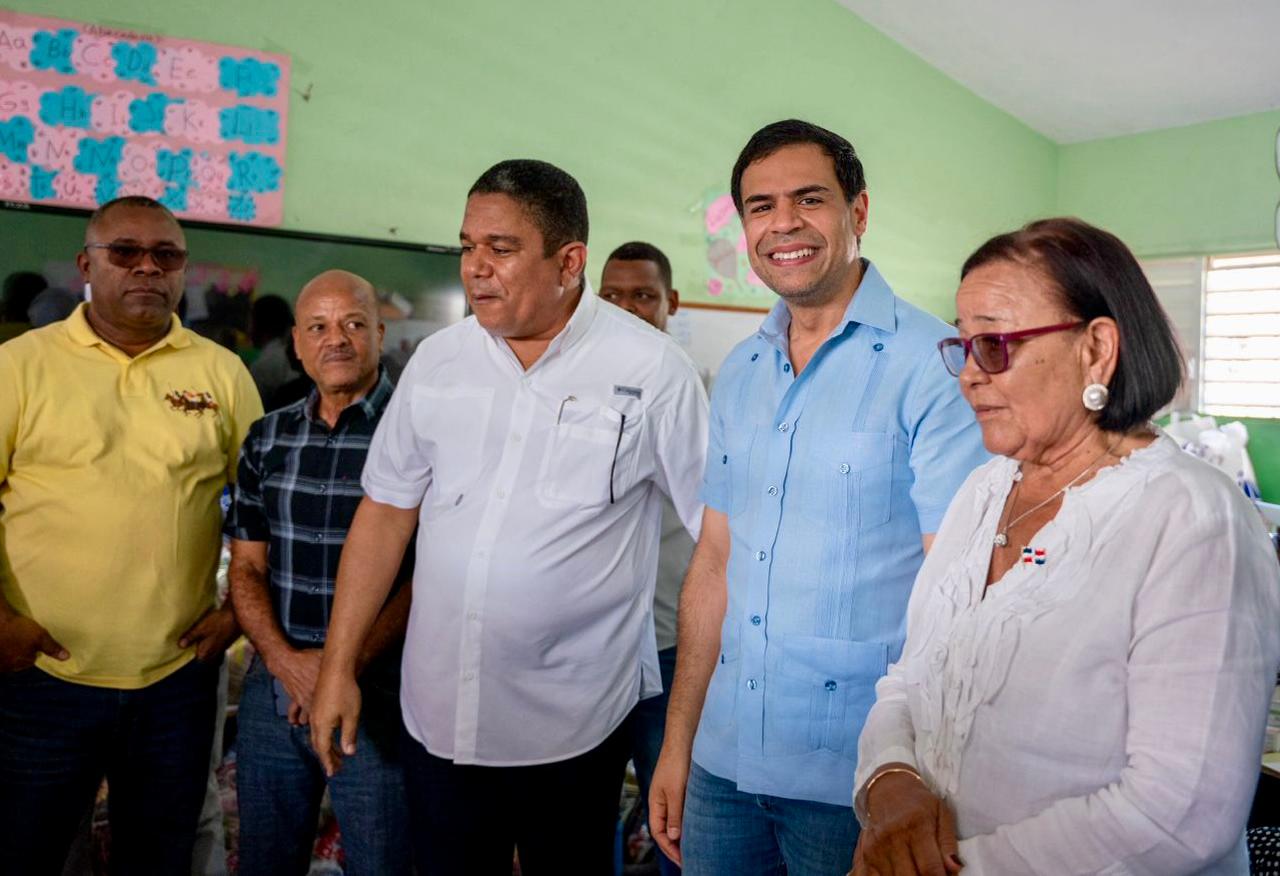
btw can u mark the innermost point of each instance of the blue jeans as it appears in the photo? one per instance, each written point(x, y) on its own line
point(648, 722)
point(58, 740)
point(727, 832)
point(280, 784)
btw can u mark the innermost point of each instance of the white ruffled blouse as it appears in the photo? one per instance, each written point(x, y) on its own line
point(1102, 709)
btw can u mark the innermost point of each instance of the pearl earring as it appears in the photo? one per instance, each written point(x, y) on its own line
point(1095, 396)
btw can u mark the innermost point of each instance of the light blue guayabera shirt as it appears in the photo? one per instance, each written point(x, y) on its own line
point(828, 480)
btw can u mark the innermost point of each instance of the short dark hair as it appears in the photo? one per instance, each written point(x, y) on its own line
point(1096, 275)
point(19, 290)
point(99, 215)
point(270, 317)
point(793, 132)
point(639, 251)
point(553, 198)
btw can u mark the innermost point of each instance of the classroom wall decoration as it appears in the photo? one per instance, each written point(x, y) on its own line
point(89, 113)
point(730, 282)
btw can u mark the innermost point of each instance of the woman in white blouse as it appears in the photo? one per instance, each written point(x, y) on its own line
point(1094, 636)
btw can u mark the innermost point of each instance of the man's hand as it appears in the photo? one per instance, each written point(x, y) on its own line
point(371, 557)
point(335, 706)
point(21, 639)
point(666, 801)
point(212, 635)
point(909, 831)
point(702, 607)
point(297, 671)
point(298, 716)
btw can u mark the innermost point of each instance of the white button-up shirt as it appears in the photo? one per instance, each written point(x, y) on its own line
point(531, 634)
point(1101, 710)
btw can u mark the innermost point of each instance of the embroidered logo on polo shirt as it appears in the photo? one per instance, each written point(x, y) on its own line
point(191, 403)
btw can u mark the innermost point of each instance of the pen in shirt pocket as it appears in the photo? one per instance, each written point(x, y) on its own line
point(622, 424)
point(563, 402)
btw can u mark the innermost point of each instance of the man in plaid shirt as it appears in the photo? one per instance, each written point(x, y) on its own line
point(298, 491)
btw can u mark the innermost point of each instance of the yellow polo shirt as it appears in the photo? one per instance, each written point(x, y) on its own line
point(111, 470)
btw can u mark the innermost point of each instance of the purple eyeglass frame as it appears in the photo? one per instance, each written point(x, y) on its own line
point(1003, 338)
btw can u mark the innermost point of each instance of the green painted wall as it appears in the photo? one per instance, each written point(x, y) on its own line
point(1201, 189)
point(1209, 188)
point(646, 104)
point(1264, 451)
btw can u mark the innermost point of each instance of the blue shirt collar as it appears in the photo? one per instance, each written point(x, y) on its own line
point(872, 305)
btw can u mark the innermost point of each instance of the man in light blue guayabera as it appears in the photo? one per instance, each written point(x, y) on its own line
point(837, 441)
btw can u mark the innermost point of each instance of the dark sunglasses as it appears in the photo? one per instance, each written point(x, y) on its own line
point(990, 350)
point(130, 255)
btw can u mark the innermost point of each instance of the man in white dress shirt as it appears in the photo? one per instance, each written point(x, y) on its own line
point(532, 443)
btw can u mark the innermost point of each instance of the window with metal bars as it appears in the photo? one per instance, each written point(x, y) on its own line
point(1240, 372)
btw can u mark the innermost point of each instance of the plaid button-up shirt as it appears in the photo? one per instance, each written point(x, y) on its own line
point(298, 489)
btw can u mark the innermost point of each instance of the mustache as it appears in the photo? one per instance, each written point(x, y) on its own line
point(343, 355)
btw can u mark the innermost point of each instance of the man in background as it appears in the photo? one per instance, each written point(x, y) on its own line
point(637, 277)
point(270, 322)
point(297, 491)
point(118, 431)
point(51, 305)
point(20, 289)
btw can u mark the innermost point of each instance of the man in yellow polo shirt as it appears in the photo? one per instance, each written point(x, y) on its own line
point(118, 431)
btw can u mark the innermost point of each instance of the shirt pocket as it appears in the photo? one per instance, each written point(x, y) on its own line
point(185, 444)
point(719, 710)
point(860, 484)
point(452, 423)
point(820, 693)
point(590, 457)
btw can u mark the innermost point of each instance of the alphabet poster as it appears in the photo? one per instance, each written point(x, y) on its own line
point(88, 114)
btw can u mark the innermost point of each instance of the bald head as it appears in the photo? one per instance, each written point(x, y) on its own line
point(339, 282)
point(337, 333)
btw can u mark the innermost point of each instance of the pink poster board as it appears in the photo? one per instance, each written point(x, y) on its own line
point(88, 114)
point(731, 284)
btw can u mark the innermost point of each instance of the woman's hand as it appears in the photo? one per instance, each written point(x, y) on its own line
point(909, 830)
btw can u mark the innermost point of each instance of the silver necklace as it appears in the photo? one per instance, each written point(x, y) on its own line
point(1002, 535)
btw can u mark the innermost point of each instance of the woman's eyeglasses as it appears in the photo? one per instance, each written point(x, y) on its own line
point(990, 350)
point(129, 255)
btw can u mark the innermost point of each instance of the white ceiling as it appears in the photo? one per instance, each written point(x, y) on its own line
point(1083, 69)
